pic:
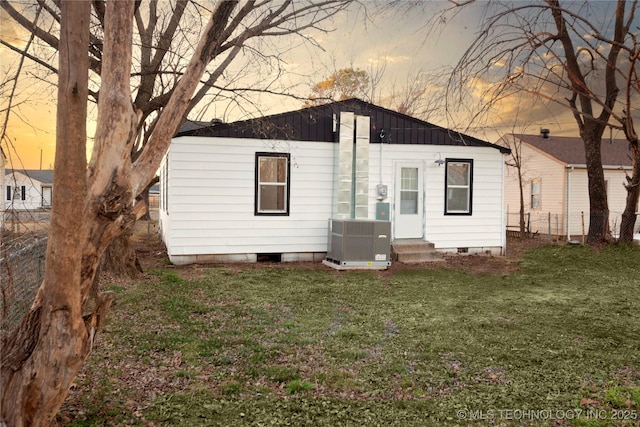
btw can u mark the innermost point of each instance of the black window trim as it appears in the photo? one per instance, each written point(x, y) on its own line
point(287, 210)
point(446, 186)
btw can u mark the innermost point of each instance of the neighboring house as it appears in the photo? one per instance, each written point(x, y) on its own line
point(235, 192)
point(555, 183)
point(28, 189)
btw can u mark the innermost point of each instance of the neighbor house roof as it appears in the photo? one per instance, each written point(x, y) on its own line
point(570, 150)
point(43, 176)
point(318, 123)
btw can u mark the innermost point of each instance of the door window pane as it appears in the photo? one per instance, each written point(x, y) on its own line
point(409, 191)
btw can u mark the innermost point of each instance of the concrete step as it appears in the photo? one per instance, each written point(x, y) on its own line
point(414, 251)
point(418, 257)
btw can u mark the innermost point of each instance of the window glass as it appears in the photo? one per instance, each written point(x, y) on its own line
point(458, 186)
point(409, 191)
point(272, 186)
point(458, 174)
point(536, 186)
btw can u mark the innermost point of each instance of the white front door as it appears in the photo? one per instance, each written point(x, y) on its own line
point(46, 197)
point(409, 206)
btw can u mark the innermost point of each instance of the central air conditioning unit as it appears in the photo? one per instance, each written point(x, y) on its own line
point(356, 243)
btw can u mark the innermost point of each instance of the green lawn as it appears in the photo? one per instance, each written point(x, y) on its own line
point(557, 343)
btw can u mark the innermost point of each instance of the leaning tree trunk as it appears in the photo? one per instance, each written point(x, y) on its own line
point(628, 222)
point(120, 259)
point(598, 206)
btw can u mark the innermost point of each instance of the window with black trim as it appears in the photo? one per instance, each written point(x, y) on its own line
point(272, 184)
point(458, 186)
point(16, 193)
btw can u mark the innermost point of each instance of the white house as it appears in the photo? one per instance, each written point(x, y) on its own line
point(28, 189)
point(235, 192)
point(555, 184)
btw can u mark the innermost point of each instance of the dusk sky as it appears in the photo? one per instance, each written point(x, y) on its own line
point(399, 39)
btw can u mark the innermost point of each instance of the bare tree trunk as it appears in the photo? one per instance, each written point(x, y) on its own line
point(632, 186)
point(45, 353)
point(523, 233)
point(628, 223)
point(120, 258)
point(144, 198)
point(598, 205)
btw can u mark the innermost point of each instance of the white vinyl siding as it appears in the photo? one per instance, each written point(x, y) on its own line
point(536, 164)
point(211, 189)
point(484, 229)
point(23, 192)
point(212, 198)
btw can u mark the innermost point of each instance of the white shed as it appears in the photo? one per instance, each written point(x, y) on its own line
point(268, 186)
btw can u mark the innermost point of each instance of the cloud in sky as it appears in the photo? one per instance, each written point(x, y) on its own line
point(400, 41)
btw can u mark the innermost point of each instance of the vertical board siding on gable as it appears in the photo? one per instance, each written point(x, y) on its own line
point(212, 197)
point(484, 228)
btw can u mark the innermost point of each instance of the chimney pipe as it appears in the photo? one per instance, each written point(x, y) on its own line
point(545, 133)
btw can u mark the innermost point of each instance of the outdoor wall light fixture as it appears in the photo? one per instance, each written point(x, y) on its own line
point(439, 161)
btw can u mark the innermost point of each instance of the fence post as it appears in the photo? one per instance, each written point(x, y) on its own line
point(529, 224)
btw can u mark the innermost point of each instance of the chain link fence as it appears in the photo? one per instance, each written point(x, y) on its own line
point(23, 244)
point(555, 225)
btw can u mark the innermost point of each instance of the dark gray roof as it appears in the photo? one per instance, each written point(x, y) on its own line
point(318, 124)
point(570, 150)
point(43, 176)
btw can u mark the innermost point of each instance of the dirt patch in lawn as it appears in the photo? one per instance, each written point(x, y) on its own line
point(152, 254)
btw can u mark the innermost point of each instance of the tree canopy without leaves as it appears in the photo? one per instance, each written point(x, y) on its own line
point(418, 96)
point(566, 53)
point(343, 84)
point(93, 201)
point(163, 37)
